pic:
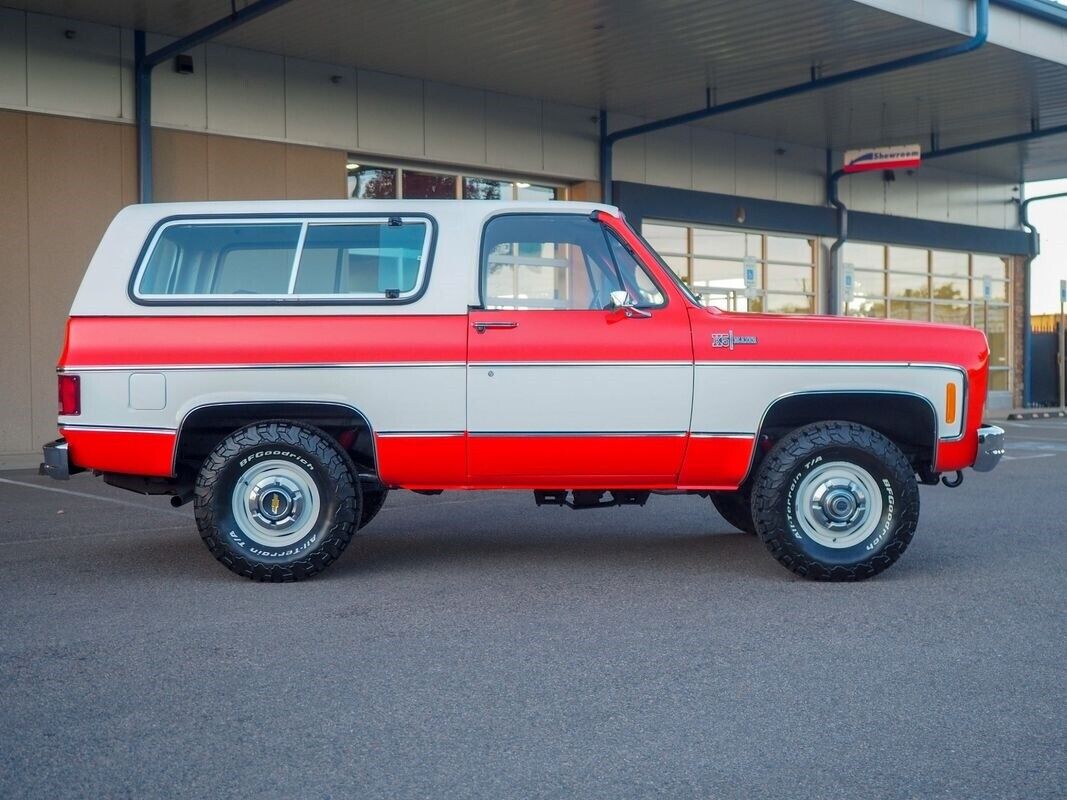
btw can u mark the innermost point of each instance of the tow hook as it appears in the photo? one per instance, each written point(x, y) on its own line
point(955, 481)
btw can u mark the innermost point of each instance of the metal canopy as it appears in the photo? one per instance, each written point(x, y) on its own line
point(649, 59)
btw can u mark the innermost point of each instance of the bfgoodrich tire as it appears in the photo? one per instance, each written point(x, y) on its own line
point(835, 501)
point(277, 501)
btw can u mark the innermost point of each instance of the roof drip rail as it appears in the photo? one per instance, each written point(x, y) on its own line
point(144, 62)
point(1024, 220)
point(608, 140)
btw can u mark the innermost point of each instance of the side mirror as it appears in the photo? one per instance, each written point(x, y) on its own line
point(621, 300)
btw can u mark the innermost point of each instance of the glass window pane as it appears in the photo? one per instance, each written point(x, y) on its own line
point(996, 331)
point(787, 278)
point(487, 189)
point(666, 238)
point(944, 262)
point(680, 265)
point(709, 273)
point(998, 291)
point(998, 380)
point(993, 266)
point(950, 288)
point(952, 313)
point(221, 259)
point(528, 191)
point(864, 256)
point(864, 307)
point(636, 281)
point(372, 183)
point(790, 304)
point(725, 244)
point(903, 284)
point(908, 259)
point(366, 258)
point(557, 261)
point(428, 186)
point(869, 283)
point(909, 309)
point(782, 248)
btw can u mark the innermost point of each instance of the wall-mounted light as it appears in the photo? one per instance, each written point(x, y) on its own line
point(350, 166)
point(740, 215)
point(69, 34)
point(183, 64)
point(888, 175)
point(522, 185)
point(336, 79)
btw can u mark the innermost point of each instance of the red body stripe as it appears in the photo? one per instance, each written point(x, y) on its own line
point(128, 452)
point(422, 462)
point(716, 462)
point(149, 341)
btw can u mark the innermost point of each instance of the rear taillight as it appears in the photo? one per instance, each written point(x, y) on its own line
point(70, 395)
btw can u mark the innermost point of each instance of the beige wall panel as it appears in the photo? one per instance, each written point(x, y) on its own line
point(570, 135)
point(513, 132)
point(755, 167)
point(245, 92)
point(131, 189)
point(15, 382)
point(586, 191)
point(79, 75)
point(799, 174)
point(313, 173)
point(669, 158)
point(455, 123)
point(245, 169)
point(318, 109)
point(864, 191)
point(390, 114)
point(902, 195)
point(179, 165)
point(12, 57)
point(179, 101)
point(714, 161)
point(962, 198)
point(71, 202)
point(933, 194)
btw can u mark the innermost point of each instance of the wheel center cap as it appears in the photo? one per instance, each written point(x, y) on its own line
point(275, 504)
point(838, 504)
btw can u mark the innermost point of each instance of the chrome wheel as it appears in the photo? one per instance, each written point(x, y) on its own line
point(838, 504)
point(275, 503)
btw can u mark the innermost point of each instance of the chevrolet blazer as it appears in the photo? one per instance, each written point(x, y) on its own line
point(284, 365)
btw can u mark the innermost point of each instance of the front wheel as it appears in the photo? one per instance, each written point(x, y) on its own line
point(277, 501)
point(835, 501)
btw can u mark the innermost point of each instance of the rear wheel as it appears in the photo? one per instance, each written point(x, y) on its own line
point(277, 501)
point(835, 501)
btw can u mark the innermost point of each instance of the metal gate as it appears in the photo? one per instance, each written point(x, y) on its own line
point(1045, 378)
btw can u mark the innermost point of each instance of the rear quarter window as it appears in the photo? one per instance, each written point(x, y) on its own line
point(335, 260)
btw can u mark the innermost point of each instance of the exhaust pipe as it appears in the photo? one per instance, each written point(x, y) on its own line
point(179, 500)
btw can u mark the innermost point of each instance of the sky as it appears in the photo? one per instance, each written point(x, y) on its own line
point(1050, 219)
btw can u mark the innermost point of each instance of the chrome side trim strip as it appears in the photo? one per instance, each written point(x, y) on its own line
point(418, 434)
point(115, 429)
point(230, 367)
point(577, 434)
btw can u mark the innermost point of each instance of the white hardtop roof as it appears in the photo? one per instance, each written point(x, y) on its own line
point(475, 209)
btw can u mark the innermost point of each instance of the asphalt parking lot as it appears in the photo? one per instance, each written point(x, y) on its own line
point(471, 646)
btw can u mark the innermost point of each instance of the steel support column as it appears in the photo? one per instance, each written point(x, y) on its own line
point(144, 63)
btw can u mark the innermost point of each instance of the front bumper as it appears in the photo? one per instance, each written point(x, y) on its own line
point(990, 447)
point(57, 461)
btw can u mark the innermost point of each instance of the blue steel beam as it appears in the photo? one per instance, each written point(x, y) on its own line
point(608, 140)
point(144, 63)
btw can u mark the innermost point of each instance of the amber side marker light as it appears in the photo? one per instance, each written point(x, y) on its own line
point(70, 395)
point(950, 403)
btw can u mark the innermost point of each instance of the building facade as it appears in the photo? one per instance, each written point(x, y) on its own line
point(238, 120)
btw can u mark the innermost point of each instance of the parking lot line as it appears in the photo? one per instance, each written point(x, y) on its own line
point(93, 497)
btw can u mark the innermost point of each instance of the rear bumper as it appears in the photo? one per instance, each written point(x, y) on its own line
point(990, 447)
point(57, 461)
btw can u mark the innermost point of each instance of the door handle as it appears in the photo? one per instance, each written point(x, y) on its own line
point(482, 327)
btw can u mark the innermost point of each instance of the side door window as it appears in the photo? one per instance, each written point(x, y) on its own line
point(559, 262)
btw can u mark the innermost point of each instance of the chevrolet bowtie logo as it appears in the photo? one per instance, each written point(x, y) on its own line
point(275, 504)
point(729, 340)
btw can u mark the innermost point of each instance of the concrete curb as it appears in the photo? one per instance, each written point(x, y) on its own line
point(1037, 413)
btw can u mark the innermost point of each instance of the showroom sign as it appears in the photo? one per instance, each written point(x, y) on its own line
point(905, 156)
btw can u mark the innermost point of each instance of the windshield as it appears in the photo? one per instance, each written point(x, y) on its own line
point(670, 273)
